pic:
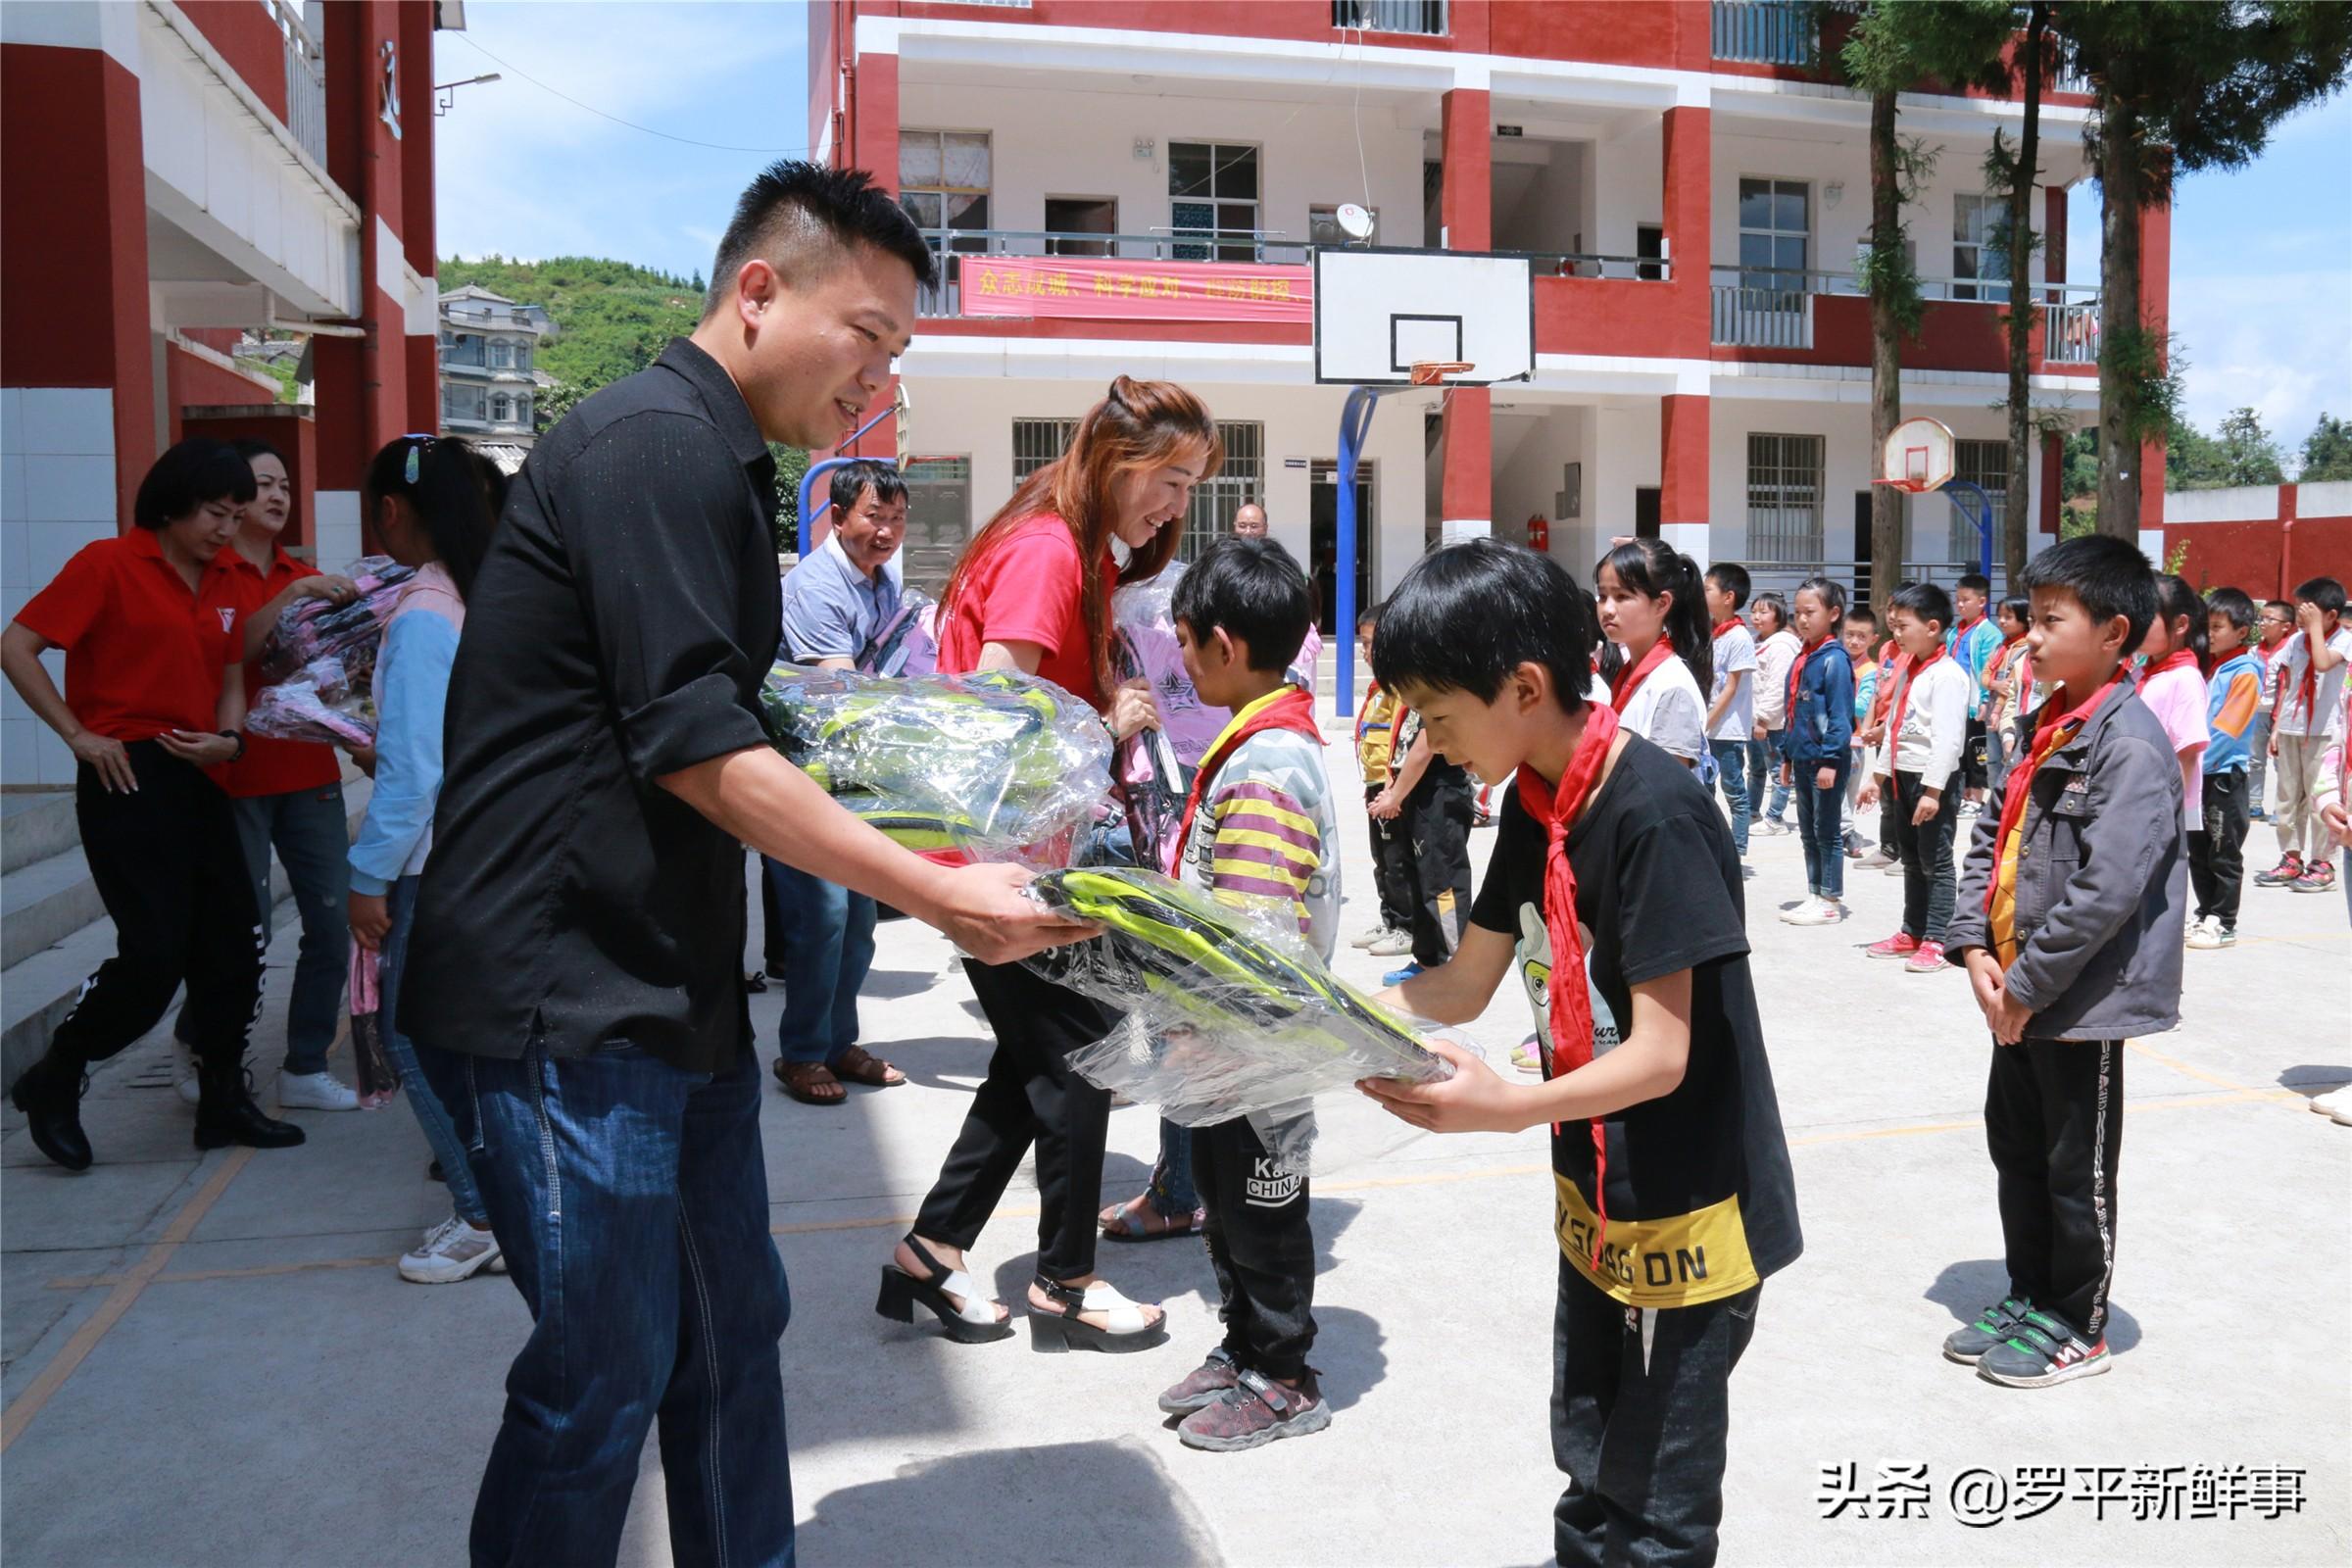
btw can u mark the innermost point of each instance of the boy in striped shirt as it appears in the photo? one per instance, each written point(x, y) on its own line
point(1259, 831)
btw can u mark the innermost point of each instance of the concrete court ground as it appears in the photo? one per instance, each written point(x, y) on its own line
point(211, 1361)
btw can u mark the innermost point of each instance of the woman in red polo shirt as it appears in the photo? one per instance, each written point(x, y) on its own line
point(153, 698)
point(287, 794)
point(1032, 592)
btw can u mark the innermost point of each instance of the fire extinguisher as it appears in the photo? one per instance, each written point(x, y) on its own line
point(1538, 534)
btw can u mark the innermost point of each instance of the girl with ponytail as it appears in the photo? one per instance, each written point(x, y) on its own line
point(1653, 605)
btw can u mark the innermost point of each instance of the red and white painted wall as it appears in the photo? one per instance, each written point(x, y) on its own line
point(2262, 538)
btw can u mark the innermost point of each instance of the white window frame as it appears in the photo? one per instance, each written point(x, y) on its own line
point(1971, 256)
point(1199, 244)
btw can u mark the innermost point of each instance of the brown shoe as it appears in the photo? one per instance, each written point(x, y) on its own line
point(1205, 1385)
point(1255, 1412)
point(858, 1065)
point(811, 1083)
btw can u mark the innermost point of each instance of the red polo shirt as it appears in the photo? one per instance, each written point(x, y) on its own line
point(269, 766)
point(1026, 589)
point(140, 659)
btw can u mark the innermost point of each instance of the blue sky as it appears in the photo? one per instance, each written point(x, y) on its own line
point(2262, 256)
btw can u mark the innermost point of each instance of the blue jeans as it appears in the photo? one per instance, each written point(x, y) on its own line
point(1763, 771)
point(1731, 770)
point(630, 1200)
point(311, 831)
point(1817, 820)
point(440, 1133)
point(1171, 1191)
point(827, 952)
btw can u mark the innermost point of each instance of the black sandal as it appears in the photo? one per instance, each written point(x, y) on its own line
point(900, 1290)
point(1062, 1329)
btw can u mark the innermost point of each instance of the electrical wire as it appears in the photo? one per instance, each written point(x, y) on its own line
point(720, 147)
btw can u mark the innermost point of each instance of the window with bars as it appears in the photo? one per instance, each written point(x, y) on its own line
point(1984, 465)
point(1980, 251)
point(1038, 442)
point(1213, 201)
point(1424, 17)
point(1784, 497)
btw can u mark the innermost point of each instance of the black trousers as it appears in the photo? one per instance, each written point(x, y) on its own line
point(2054, 1123)
point(1927, 852)
point(2217, 850)
point(1392, 870)
point(1642, 1443)
point(1029, 1096)
point(1438, 831)
point(1973, 771)
point(171, 872)
point(774, 933)
point(1260, 1245)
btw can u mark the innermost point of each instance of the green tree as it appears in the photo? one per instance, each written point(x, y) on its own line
point(2080, 472)
point(791, 465)
point(2327, 452)
point(2249, 453)
point(2013, 172)
point(2180, 85)
point(2192, 460)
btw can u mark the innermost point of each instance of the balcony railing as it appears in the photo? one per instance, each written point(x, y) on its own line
point(1770, 33)
point(1424, 17)
point(1573, 264)
point(949, 246)
point(1770, 309)
point(306, 79)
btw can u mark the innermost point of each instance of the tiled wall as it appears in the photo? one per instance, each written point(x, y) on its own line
point(57, 494)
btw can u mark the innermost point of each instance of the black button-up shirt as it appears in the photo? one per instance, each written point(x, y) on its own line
point(617, 632)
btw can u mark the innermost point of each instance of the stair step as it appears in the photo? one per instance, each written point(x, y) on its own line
point(44, 903)
point(36, 824)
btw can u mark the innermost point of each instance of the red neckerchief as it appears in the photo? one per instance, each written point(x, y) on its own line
point(1725, 625)
point(1363, 714)
point(2175, 660)
point(1628, 679)
point(2307, 693)
point(1894, 724)
point(1892, 661)
point(1555, 812)
point(1796, 671)
point(1293, 710)
point(2054, 730)
point(1968, 625)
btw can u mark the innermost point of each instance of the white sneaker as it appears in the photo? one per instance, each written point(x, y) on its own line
point(1795, 913)
point(1817, 911)
point(452, 1251)
point(1369, 937)
point(2336, 1104)
point(184, 1074)
point(2205, 933)
point(1393, 945)
point(315, 1090)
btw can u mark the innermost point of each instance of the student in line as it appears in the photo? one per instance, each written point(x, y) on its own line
point(1815, 748)
point(1653, 606)
point(2311, 682)
point(1920, 770)
point(2274, 623)
point(1861, 634)
point(2171, 683)
point(1731, 713)
point(1776, 651)
point(2004, 694)
point(1971, 642)
point(2217, 844)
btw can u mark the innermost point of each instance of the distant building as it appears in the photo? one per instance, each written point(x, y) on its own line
point(488, 385)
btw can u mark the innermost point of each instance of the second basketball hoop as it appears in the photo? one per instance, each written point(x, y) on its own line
point(1916, 457)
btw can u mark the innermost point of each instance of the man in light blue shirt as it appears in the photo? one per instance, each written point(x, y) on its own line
point(837, 601)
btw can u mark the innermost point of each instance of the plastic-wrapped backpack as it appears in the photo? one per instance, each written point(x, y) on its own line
point(328, 700)
point(316, 628)
point(991, 765)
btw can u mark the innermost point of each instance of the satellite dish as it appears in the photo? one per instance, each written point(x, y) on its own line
point(1355, 221)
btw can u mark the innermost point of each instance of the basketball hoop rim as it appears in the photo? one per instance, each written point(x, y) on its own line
point(1433, 372)
point(1908, 486)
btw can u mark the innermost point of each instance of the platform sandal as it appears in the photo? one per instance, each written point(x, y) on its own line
point(973, 1323)
point(1061, 1329)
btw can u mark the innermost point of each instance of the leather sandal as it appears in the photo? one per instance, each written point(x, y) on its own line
point(858, 1065)
point(803, 1080)
point(1061, 1329)
point(975, 1322)
point(1139, 1219)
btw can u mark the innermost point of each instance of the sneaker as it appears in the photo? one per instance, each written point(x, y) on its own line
point(2207, 933)
point(1896, 871)
point(1255, 1412)
point(1877, 859)
point(1770, 827)
point(1524, 1057)
point(1205, 1385)
point(2040, 1351)
point(1971, 808)
point(2318, 877)
point(1993, 1325)
point(315, 1090)
point(1392, 945)
point(184, 1074)
point(1852, 845)
point(2288, 868)
point(2257, 814)
point(1397, 977)
point(1901, 944)
point(1793, 914)
point(1369, 937)
point(2336, 1104)
point(452, 1251)
point(1929, 960)
point(1817, 911)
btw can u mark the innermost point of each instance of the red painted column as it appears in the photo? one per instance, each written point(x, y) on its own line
point(1688, 216)
point(1466, 210)
point(875, 127)
point(1682, 464)
point(74, 206)
point(2155, 309)
point(2053, 234)
point(420, 350)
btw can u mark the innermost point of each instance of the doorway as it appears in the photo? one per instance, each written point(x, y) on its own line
point(1645, 512)
point(1071, 216)
point(1323, 537)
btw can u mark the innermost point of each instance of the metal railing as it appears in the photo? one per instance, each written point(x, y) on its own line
point(1771, 32)
point(1179, 247)
point(1424, 17)
point(2072, 80)
point(1773, 308)
point(1572, 264)
point(1784, 576)
point(306, 77)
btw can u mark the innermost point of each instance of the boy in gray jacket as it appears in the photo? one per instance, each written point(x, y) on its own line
point(2069, 925)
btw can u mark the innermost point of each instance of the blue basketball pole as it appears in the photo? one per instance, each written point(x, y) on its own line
point(818, 471)
point(1983, 518)
point(1355, 422)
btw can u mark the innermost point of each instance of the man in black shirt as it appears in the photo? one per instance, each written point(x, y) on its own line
point(1614, 892)
point(576, 988)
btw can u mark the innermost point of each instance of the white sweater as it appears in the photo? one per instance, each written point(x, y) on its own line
point(1934, 724)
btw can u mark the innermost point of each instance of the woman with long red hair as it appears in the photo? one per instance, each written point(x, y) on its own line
point(1032, 592)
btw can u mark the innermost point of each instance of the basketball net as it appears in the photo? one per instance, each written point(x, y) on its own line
point(1433, 372)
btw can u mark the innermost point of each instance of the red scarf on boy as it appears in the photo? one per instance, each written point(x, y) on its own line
point(1555, 812)
point(2054, 730)
point(1894, 720)
point(2177, 659)
point(1294, 710)
point(1724, 625)
point(1628, 679)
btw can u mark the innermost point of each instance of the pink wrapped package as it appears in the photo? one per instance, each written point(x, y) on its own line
point(328, 700)
point(316, 628)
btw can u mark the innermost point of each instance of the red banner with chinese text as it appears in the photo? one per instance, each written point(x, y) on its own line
point(1099, 288)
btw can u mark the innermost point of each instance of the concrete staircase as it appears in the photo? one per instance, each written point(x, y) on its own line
point(54, 931)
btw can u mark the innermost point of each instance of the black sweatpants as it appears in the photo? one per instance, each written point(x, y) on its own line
point(1641, 1442)
point(1262, 1246)
point(1392, 868)
point(2054, 1123)
point(2217, 849)
point(1437, 829)
point(1029, 1096)
point(171, 872)
point(1927, 852)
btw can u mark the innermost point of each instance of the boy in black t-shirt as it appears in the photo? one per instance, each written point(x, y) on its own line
point(1674, 1196)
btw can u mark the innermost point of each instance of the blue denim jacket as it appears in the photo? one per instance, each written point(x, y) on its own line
point(1821, 722)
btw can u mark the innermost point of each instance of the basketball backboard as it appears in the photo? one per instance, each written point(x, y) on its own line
point(1379, 312)
point(1918, 456)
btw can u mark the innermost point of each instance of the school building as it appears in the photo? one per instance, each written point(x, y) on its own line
point(1125, 188)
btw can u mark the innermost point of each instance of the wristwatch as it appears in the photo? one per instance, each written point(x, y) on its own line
point(238, 735)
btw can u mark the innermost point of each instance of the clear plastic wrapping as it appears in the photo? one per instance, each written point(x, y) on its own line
point(316, 628)
point(1225, 1017)
point(993, 766)
point(328, 700)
